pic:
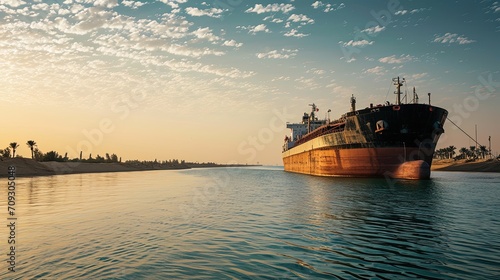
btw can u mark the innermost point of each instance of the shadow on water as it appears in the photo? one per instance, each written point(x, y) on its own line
point(365, 227)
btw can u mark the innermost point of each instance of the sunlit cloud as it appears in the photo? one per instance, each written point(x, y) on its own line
point(259, 8)
point(393, 59)
point(300, 18)
point(374, 29)
point(258, 28)
point(450, 38)
point(327, 7)
point(377, 70)
point(232, 43)
point(278, 54)
point(133, 4)
point(295, 33)
point(359, 43)
point(213, 12)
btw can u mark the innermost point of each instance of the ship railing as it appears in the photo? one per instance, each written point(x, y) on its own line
point(317, 134)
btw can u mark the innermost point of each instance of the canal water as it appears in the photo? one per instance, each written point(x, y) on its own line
point(252, 223)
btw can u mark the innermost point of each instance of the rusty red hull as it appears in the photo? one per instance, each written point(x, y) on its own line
point(394, 162)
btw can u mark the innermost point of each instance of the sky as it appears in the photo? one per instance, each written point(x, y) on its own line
point(217, 81)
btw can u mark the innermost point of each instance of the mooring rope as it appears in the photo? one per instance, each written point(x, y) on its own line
point(464, 132)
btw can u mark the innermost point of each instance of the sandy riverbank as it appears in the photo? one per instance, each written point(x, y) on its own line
point(488, 165)
point(27, 167)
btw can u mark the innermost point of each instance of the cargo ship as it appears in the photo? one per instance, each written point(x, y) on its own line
point(391, 140)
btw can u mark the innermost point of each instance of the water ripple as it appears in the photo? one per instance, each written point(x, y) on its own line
point(261, 224)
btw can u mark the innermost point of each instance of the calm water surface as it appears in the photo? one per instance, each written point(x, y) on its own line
point(254, 223)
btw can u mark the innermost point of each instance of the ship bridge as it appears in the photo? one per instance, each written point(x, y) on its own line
point(298, 130)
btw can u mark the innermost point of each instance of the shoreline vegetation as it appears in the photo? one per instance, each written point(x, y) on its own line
point(464, 165)
point(26, 167)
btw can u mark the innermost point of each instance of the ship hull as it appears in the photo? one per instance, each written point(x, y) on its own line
point(384, 141)
point(362, 162)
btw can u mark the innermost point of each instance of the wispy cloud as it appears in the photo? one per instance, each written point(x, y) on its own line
point(205, 33)
point(327, 7)
point(295, 33)
point(451, 38)
point(278, 54)
point(13, 3)
point(374, 29)
point(418, 76)
point(495, 7)
point(300, 18)
point(359, 43)
point(258, 28)
point(106, 3)
point(414, 11)
point(377, 70)
point(341, 90)
point(173, 3)
point(213, 12)
point(393, 59)
point(133, 4)
point(409, 12)
point(259, 8)
point(232, 43)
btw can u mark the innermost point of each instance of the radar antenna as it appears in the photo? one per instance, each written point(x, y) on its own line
point(398, 83)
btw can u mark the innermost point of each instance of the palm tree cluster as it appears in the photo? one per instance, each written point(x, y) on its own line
point(445, 153)
point(13, 147)
point(470, 154)
point(36, 154)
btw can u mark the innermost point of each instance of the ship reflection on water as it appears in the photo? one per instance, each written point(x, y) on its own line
point(370, 225)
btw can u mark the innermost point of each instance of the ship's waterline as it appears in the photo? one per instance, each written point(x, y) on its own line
point(362, 162)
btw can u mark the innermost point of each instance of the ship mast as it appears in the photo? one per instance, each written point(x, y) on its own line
point(398, 85)
point(353, 103)
point(311, 117)
point(415, 96)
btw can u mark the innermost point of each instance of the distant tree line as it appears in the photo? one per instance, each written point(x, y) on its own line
point(36, 154)
point(468, 154)
point(171, 161)
point(10, 151)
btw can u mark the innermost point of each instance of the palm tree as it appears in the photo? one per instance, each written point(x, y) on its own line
point(464, 152)
point(32, 145)
point(483, 150)
point(5, 152)
point(14, 146)
point(451, 150)
point(440, 153)
point(473, 151)
point(436, 153)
